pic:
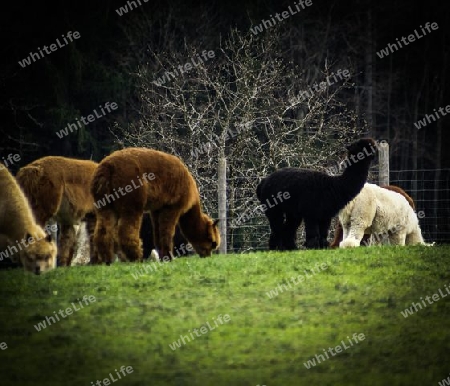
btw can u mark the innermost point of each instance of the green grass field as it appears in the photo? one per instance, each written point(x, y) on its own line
point(266, 341)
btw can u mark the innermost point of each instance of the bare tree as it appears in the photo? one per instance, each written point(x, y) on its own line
point(244, 103)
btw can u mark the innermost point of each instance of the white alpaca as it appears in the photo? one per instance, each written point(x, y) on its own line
point(379, 211)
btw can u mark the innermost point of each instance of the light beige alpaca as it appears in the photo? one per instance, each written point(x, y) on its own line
point(21, 238)
point(378, 211)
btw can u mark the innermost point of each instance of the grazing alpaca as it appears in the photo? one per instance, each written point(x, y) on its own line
point(154, 182)
point(58, 188)
point(19, 234)
point(379, 211)
point(338, 233)
point(315, 197)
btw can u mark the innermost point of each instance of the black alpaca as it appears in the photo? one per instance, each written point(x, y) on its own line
point(146, 235)
point(315, 197)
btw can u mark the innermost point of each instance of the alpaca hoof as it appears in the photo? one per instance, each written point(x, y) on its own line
point(349, 243)
point(154, 256)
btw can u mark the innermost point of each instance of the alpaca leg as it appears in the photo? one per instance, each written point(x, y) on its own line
point(290, 232)
point(66, 246)
point(397, 238)
point(415, 238)
point(154, 245)
point(167, 221)
point(147, 235)
point(91, 220)
point(324, 227)
point(129, 241)
point(312, 233)
point(155, 229)
point(104, 237)
point(345, 232)
point(353, 238)
point(338, 235)
point(276, 220)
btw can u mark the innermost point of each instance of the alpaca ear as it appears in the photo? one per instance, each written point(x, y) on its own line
point(216, 222)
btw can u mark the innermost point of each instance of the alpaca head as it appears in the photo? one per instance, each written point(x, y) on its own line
point(365, 148)
point(39, 254)
point(209, 240)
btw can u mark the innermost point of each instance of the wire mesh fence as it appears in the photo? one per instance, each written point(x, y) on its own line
point(430, 190)
point(248, 229)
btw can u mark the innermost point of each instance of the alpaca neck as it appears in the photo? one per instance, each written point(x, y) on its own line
point(351, 182)
point(191, 223)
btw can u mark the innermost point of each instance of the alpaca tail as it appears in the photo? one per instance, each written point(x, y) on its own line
point(35, 184)
point(101, 186)
point(29, 178)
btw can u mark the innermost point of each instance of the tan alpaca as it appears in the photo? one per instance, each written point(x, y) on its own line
point(132, 181)
point(21, 238)
point(59, 188)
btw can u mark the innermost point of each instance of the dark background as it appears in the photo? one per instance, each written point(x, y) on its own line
point(42, 98)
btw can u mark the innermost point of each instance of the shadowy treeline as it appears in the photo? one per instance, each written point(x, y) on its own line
point(70, 82)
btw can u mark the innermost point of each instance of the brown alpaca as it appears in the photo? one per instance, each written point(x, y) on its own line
point(148, 181)
point(339, 234)
point(59, 188)
point(20, 236)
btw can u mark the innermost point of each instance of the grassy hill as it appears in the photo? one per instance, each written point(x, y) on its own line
point(254, 319)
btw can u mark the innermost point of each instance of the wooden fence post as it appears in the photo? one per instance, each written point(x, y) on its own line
point(383, 156)
point(222, 199)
